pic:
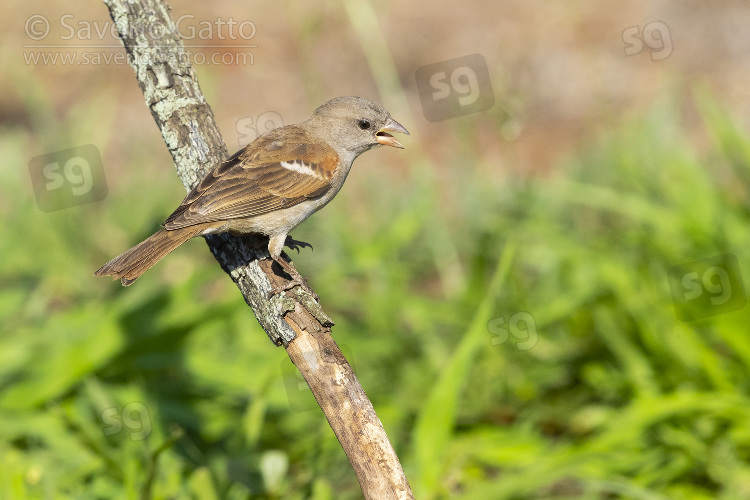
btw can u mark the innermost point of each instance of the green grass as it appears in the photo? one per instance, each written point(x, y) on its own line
point(617, 399)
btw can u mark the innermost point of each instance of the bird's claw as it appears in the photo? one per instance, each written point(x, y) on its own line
point(295, 244)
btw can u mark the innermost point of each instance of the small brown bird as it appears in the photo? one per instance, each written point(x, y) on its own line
point(271, 185)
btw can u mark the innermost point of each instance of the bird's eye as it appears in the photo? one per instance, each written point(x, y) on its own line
point(364, 124)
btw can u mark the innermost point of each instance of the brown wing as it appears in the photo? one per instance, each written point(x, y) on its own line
point(280, 169)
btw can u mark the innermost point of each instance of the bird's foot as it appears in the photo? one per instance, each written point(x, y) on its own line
point(295, 244)
point(297, 280)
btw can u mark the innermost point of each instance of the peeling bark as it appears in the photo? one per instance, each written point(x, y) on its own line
point(294, 318)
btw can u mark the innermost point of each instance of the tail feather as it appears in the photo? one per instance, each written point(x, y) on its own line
point(130, 265)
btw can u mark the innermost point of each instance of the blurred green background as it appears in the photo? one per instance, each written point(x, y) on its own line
point(510, 289)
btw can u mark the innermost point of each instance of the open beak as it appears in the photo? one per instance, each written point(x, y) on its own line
point(384, 137)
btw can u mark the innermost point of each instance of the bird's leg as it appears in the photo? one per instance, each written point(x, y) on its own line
point(275, 245)
point(295, 244)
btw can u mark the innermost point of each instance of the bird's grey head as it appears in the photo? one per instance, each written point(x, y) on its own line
point(355, 125)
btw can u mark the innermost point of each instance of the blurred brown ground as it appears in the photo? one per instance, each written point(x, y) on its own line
point(559, 71)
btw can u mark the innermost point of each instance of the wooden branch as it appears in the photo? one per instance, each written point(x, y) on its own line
point(293, 319)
